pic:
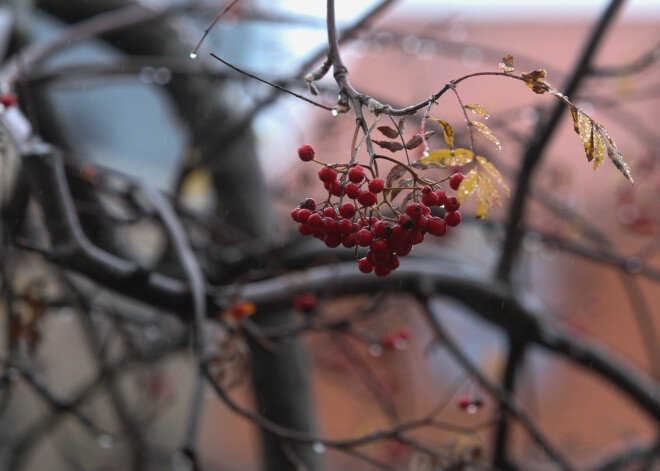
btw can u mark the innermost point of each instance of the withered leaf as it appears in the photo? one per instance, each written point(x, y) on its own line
point(538, 85)
point(425, 166)
point(407, 198)
point(397, 172)
point(616, 156)
point(485, 130)
point(449, 157)
point(468, 185)
point(402, 125)
point(598, 147)
point(492, 170)
point(477, 109)
point(392, 146)
point(575, 116)
point(506, 65)
point(388, 132)
point(448, 130)
point(416, 140)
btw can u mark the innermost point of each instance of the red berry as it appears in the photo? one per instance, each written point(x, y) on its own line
point(336, 188)
point(421, 223)
point(436, 226)
point(453, 219)
point(316, 221)
point(356, 174)
point(306, 153)
point(349, 240)
point(304, 229)
point(407, 248)
point(442, 196)
point(393, 263)
point(347, 210)
point(426, 190)
point(345, 226)
point(430, 199)
point(294, 214)
point(332, 240)
point(305, 301)
point(379, 247)
point(367, 198)
point(406, 221)
point(308, 203)
point(376, 185)
point(327, 174)
point(365, 266)
point(464, 402)
point(381, 270)
point(352, 190)
point(330, 225)
point(452, 204)
point(414, 210)
point(329, 212)
point(303, 215)
point(8, 99)
point(364, 237)
point(383, 229)
point(455, 180)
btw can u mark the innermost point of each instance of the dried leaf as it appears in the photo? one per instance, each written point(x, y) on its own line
point(485, 130)
point(477, 109)
point(598, 147)
point(402, 125)
point(492, 170)
point(396, 172)
point(425, 166)
point(506, 65)
point(536, 76)
point(407, 198)
point(416, 140)
point(449, 131)
point(449, 157)
point(388, 132)
point(586, 131)
point(468, 185)
point(616, 156)
point(576, 118)
point(392, 146)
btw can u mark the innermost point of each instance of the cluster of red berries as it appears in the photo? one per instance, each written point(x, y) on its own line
point(353, 223)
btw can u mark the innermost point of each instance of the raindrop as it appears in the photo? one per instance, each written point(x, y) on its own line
point(411, 44)
point(105, 441)
point(65, 315)
point(152, 332)
point(193, 55)
point(375, 350)
point(318, 447)
point(146, 74)
point(181, 462)
point(472, 409)
point(162, 76)
point(425, 154)
point(634, 265)
point(334, 112)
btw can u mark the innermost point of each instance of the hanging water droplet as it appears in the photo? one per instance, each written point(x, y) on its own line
point(193, 55)
point(318, 447)
point(375, 350)
point(425, 154)
point(105, 441)
point(634, 265)
point(334, 112)
point(180, 462)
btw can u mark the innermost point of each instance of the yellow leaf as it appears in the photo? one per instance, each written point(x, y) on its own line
point(598, 148)
point(488, 185)
point(535, 81)
point(506, 65)
point(449, 157)
point(485, 130)
point(449, 131)
point(492, 170)
point(468, 185)
point(477, 109)
point(484, 203)
point(586, 132)
point(616, 156)
point(575, 116)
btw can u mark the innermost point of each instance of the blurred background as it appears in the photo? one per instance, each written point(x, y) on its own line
point(117, 102)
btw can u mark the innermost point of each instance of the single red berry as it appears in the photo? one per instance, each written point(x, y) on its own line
point(347, 210)
point(436, 226)
point(414, 237)
point(364, 237)
point(442, 196)
point(304, 229)
point(376, 185)
point(327, 174)
point(345, 226)
point(352, 190)
point(464, 402)
point(336, 188)
point(365, 266)
point(421, 223)
point(8, 99)
point(305, 302)
point(397, 232)
point(414, 210)
point(356, 174)
point(306, 153)
point(406, 221)
point(430, 199)
point(329, 212)
point(303, 215)
point(308, 203)
point(381, 270)
point(453, 219)
point(393, 263)
point(452, 204)
point(367, 198)
point(383, 229)
point(316, 221)
point(426, 190)
point(455, 180)
point(407, 248)
point(294, 214)
point(332, 240)
point(349, 240)
point(379, 247)
point(330, 225)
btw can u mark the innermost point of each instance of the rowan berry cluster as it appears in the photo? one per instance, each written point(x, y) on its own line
point(359, 221)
